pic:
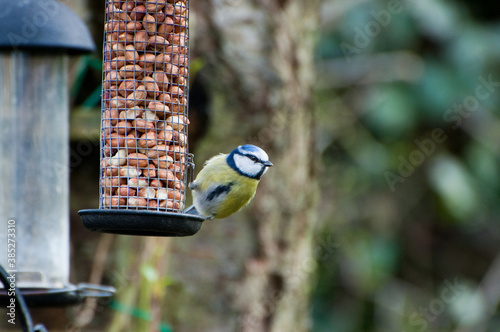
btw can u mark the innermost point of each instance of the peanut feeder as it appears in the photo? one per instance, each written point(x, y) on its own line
point(144, 150)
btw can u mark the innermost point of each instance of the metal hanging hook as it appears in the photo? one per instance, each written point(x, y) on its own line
point(190, 168)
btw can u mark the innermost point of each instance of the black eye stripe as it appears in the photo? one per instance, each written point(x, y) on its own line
point(251, 157)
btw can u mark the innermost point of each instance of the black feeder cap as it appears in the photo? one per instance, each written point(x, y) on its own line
point(43, 25)
point(146, 223)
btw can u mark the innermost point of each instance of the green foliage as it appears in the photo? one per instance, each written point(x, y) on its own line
point(408, 128)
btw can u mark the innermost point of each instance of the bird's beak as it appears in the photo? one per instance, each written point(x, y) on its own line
point(267, 164)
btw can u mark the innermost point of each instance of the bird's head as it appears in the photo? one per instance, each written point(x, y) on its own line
point(249, 160)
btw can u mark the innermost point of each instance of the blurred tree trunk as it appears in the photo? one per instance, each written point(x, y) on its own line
point(251, 273)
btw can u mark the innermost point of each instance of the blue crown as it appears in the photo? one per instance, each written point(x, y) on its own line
point(249, 148)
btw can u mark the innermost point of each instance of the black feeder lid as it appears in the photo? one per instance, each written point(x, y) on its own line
point(146, 223)
point(36, 25)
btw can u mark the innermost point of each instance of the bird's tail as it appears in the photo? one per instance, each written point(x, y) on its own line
point(192, 210)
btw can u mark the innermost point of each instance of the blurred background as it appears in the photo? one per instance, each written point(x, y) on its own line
point(384, 206)
point(409, 166)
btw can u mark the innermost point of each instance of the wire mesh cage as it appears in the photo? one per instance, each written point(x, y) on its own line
point(145, 158)
point(144, 122)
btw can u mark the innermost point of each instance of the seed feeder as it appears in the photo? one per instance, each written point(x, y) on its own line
point(145, 160)
point(36, 38)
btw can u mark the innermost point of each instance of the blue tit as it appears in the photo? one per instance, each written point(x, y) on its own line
point(228, 182)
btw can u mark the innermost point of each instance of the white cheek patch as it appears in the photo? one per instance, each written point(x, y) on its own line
point(246, 166)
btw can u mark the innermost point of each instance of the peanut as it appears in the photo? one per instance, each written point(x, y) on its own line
point(151, 87)
point(167, 27)
point(119, 159)
point(163, 161)
point(131, 55)
point(112, 182)
point(156, 183)
point(123, 127)
point(127, 86)
point(136, 97)
point(131, 142)
point(143, 125)
point(149, 115)
point(179, 138)
point(147, 193)
point(128, 6)
point(118, 14)
point(157, 43)
point(148, 140)
point(133, 26)
point(150, 172)
point(147, 60)
point(150, 24)
point(176, 151)
point(130, 172)
point(137, 182)
point(137, 159)
point(170, 9)
point(115, 140)
point(166, 204)
point(131, 71)
point(157, 151)
point(171, 69)
point(125, 191)
point(164, 193)
point(125, 37)
point(135, 201)
point(180, 60)
point(117, 102)
point(175, 90)
point(165, 98)
point(152, 204)
point(113, 201)
point(177, 121)
point(140, 40)
point(112, 171)
point(112, 115)
point(131, 114)
point(158, 106)
point(165, 134)
point(112, 78)
point(164, 174)
point(155, 5)
point(138, 13)
point(161, 79)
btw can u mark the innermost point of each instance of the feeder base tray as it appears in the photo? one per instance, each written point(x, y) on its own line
point(148, 223)
point(52, 297)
